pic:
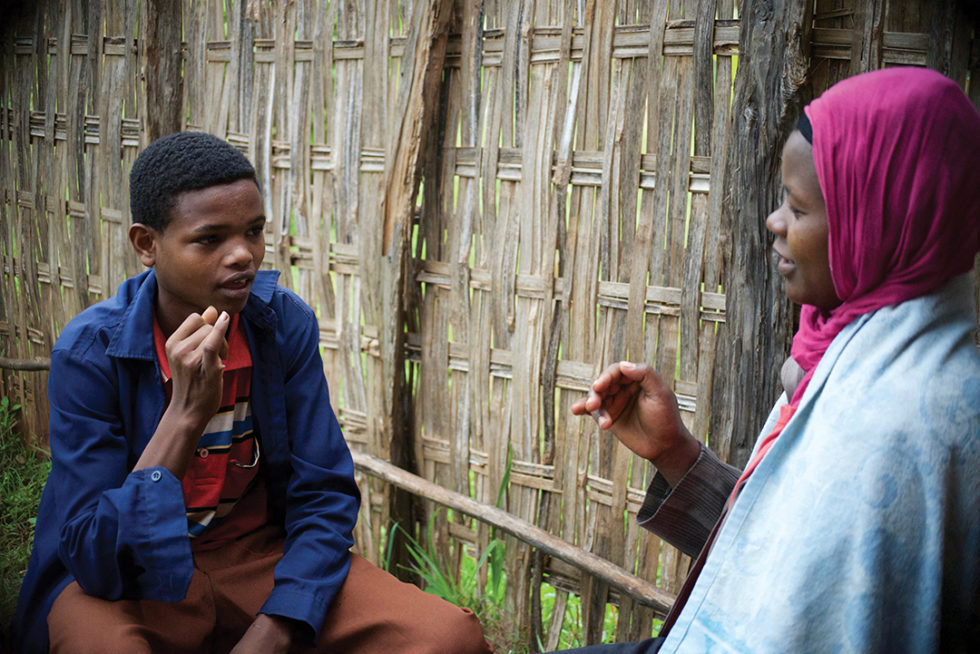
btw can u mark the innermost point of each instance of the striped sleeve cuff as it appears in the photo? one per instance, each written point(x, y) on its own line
point(685, 515)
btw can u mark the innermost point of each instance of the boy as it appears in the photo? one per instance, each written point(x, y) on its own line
point(201, 496)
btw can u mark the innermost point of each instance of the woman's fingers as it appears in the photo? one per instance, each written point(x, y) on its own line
point(606, 378)
point(615, 390)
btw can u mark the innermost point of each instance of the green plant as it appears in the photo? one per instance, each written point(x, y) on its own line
point(23, 471)
point(464, 591)
point(490, 602)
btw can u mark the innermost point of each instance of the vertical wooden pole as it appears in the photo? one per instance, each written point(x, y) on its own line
point(160, 63)
point(867, 37)
point(418, 95)
point(754, 341)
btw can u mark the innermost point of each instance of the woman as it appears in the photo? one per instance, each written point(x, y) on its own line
point(856, 525)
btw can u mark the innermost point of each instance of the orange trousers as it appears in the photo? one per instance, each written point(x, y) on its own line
point(372, 612)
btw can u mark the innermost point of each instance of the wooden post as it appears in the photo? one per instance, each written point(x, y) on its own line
point(418, 94)
point(772, 69)
point(161, 54)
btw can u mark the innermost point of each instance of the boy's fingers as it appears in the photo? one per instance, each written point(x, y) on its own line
point(214, 343)
point(191, 324)
point(210, 315)
point(180, 345)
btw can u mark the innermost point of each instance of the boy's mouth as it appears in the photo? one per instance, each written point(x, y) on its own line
point(240, 282)
point(237, 282)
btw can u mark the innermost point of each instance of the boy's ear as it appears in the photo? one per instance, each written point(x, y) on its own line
point(144, 240)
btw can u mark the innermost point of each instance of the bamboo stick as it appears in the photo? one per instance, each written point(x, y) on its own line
point(25, 364)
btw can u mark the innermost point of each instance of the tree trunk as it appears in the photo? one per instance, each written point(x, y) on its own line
point(772, 68)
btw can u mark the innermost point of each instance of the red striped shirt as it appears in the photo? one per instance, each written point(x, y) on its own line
point(223, 493)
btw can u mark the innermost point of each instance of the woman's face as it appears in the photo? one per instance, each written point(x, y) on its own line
point(800, 226)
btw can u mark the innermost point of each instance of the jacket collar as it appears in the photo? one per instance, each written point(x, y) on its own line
point(133, 336)
point(257, 310)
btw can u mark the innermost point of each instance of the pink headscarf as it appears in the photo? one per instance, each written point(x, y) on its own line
point(897, 153)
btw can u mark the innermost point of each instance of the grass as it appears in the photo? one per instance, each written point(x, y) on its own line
point(462, 590)
point(489, 603)
point(23, 471)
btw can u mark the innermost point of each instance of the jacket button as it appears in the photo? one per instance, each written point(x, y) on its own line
point(155, 475)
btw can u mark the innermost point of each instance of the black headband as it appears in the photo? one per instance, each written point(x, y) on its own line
point(804, 127)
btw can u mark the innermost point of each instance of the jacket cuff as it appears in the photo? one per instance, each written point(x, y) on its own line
point(307, 604)
point(152, 558)
point(685, 515)
point(307, 608)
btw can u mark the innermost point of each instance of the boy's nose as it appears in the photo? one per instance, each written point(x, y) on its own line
point(239, 255)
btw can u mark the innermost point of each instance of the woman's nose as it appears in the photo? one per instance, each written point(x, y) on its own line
point(775, 222)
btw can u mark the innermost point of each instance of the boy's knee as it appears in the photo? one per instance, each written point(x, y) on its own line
point(110, 640)
point(459, 632)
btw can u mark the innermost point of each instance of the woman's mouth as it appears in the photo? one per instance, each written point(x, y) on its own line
point(783, 265)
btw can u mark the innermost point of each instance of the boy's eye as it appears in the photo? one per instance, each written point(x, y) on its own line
point(256, 231)
point(209, 239)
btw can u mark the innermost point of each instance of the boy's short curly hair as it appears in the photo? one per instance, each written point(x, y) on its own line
point(185, 161)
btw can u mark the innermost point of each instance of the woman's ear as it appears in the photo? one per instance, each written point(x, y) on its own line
point(144, 240)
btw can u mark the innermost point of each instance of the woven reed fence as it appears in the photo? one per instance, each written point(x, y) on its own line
point(580, 201)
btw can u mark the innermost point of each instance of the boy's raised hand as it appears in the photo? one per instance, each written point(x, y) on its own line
point(633, 402)
point(194, 352)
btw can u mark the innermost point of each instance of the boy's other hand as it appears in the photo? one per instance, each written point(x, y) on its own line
point(633, 402)
point(269, 634)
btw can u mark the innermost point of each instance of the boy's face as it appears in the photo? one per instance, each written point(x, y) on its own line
point(208, 253)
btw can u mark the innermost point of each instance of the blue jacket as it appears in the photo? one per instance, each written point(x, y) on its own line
point(123, 534)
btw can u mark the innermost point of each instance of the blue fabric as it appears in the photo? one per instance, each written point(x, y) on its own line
point(124, 535)
point(648, 646)
point(859, 531)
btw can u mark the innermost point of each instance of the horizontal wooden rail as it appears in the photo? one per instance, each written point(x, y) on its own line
point(25, 364)
point(639, 589)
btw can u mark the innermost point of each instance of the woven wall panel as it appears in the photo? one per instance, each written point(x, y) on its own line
point(570, 215)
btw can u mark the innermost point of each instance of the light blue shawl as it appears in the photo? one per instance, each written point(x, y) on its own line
point(860, 529)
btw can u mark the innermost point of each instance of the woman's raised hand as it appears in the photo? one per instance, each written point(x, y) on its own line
point(632, 401)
